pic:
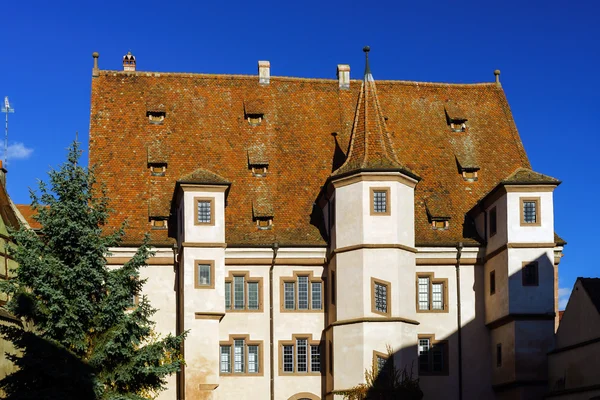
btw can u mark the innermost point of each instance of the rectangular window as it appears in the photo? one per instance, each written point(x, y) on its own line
point(493, 222)
point(431, 293)
point(492, 282)
point(288, 358)
point(303, 292)
point(332, 287)
point(228, 295)
point(433, 356)
point(316, 291)
point(290, 295)
point(380, 201)
point(381, 297)
point(238, 356)
point(204, 211)
point(380, 363)
point(530, 211)
point(498, 355)
point(226, 359)
point(530, 273)
point(315, 358)
point(204, 274)
point(301, 365)
point(253, 295)
point(253, 359)
point(238, 292)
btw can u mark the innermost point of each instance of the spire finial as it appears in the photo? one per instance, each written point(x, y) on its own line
point(368, 75)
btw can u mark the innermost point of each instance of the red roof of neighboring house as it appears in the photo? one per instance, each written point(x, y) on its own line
point(28, 212)
point(304, 135)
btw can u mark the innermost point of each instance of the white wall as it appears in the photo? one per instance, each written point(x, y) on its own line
point(530, 234)
point(531, 299)
point(204, 233)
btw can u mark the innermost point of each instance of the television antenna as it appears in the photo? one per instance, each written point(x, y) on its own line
point(6, 109)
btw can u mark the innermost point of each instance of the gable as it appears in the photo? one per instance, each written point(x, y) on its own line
point(580, 321)
point(205, 128)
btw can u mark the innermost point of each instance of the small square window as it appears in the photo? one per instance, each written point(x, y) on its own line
point(530, 212)
point(469, 176)
point(530, 274)
point(380, 201)
point(204, 275)
point(158, 223)
point(204, 211)
point(156, 117)
point(440, 225)
point(380, 297)
point(259, 171)
point(254, 119)
point(158, 169)
point(264, 223)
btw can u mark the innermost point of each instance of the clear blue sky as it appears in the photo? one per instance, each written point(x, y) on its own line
point(548, 52)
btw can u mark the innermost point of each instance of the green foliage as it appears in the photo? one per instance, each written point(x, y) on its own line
point(82, 338)
point(391, 383)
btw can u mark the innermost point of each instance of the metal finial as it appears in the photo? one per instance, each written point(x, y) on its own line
point(366, 49)
point(497, 74)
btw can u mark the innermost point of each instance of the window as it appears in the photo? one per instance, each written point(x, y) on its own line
point(458, 126)
point(204, 211)
point(492, 282)
point(254, 119)
point(156, 117)
point(433, 356)
point(380, 363)
point(240, 356)
point(469, 176)
point(529, 274)
point(330, 357)
point(259, 171)
point(158, 223)
point(530, 211)
point(499, 355)
point(440, 225)
point(264, 223)
point(432, 294)
point(493, 222)
point(300, 356)
point(242, 292)
point(302, 292)
point(158, 169)
point(380, 201)
point(332, 287)
point(380, 297)
point(204, 273)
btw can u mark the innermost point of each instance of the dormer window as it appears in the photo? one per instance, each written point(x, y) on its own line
point(264, 223)
point(254, 119)
point(158, 169)
point(455, 117)
point(158, 223)
point(156, 117)
point(440, 224)
point(258, 162)
point(254, 111)
point(469, 176)
point(467, 166)
point(262, 212)
point(259, 171)
point(437, 212)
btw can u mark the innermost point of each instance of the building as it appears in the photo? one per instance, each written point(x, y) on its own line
point(302, 225)
point(574, 365)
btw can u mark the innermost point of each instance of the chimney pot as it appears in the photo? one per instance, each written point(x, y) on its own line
point(264, 72)
point(343, 75)
point(129, 62)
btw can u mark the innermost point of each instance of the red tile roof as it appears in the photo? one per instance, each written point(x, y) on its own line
point(28, 213)
point(305, 133)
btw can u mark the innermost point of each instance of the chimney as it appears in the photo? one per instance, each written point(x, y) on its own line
point(128, 62)
point(3, 172)
point(497, 74)
point(343, 75)
point(264, 72)
point(95, 70)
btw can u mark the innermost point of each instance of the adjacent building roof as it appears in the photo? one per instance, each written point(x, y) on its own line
point(306, 131)
point(592, 287)
point(28, 213)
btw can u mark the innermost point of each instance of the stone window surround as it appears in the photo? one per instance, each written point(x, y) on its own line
point(294, 279)
point(197, 284)
point(432, 280)
point(388, 202)
point(247, 342)
point(247, 279)
point(309, 342)
point(432, 343)
point(212, 211)
point(388, 286)
point(376, 355)
point(538, 211)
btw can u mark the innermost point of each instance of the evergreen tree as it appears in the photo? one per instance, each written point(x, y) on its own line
point(82, 336)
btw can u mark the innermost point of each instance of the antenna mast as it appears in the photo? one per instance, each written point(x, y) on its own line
point(6, 110)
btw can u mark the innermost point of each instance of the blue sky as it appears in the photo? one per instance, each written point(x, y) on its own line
point(548, 53)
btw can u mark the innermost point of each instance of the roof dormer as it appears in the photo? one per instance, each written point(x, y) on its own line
point(455, 117)
point(254, 111)
point(258, 161)
point(467, 166)
point(437, 213)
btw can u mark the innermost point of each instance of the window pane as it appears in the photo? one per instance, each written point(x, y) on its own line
point(379, 201)
point(289, 294)
point(238, 288)
point(315, 358)
point(529, 212)
point(253, 359)
point(316, 290)
point(228, 295)
point(423, 355)
point(288, 358)
point(225, 358)
point(303, 292)
point(530, 274)
point(203, 275)
point(253, 295)
point(437, 358)
point(423, 293)
point(204, 211)
point(437, 296)
point(380, 364)
point(381, 298)
point(301, 355)
point(238, 355)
